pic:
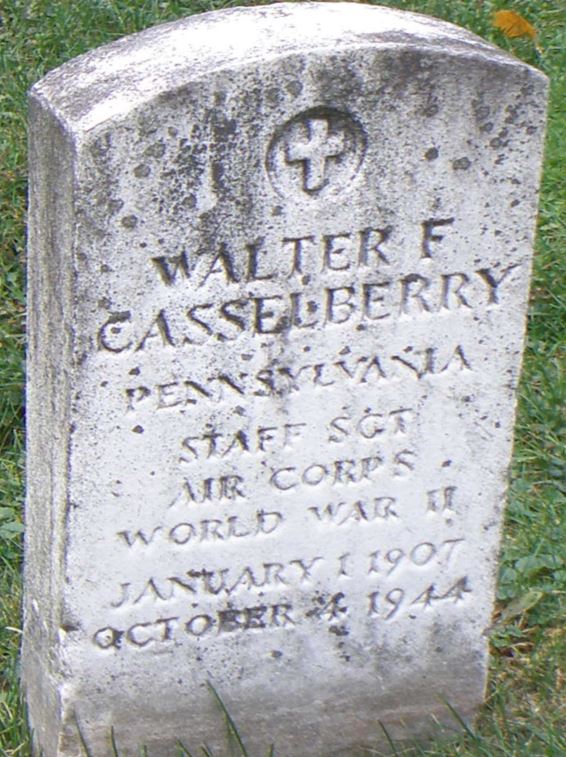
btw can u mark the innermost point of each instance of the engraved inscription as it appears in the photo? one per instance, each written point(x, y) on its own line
point(140, 635)
point(353, 303)
point(441, 500)
point(312, 282)
point(382, 605)
point(316, 153)
point(371, 509)
point(345, 475)
point(386, 605)
point(225, 581)
point(208, 529)
point(421, 554)
point(276, 380)
point(216, 444)
point(345, 472)
point(370, 425)
point(361, 511)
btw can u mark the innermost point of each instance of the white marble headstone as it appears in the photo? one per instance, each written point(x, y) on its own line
point(279, 264)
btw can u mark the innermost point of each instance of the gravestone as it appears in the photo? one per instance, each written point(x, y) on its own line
point(279, 264)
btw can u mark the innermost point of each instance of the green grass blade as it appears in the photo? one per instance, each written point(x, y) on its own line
point(82, 739)
point(460, 720)
point(183, 751)
point(233, 730)
point(115, 751)
point(389, 739)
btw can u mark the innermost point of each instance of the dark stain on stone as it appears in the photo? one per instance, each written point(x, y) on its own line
point(461, 164)
point(294, 88)
point(156, 150)
point(481, 112)
point(339, 631)
point(500, 140)
point(129, 222)
point(339, 81)
point(431, 108)
point(115, 205)
point(101, 146)
point(142, 170)
point(69, 627)
point(273, 96)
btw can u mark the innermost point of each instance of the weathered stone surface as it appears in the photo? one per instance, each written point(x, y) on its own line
point(279, 263)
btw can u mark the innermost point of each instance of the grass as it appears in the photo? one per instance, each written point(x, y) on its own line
point(525, 713)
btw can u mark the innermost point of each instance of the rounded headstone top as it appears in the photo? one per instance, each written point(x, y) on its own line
point(116, 78)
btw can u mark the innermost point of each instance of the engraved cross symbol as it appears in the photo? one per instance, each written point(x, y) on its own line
point(314, 153)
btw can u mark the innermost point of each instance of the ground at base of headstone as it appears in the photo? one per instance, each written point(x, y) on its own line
point(525, 712)
point(447, 736)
